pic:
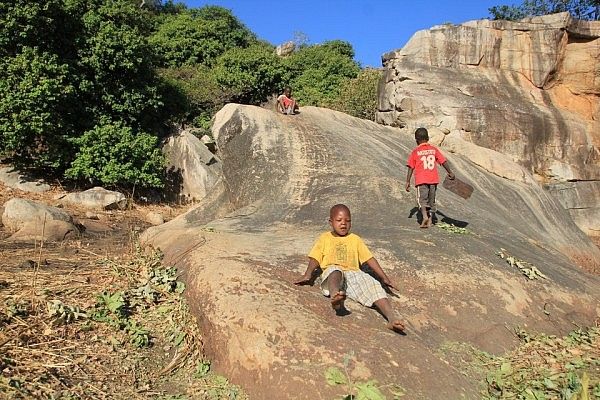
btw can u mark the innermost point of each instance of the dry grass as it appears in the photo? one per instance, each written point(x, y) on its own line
point(42, 356)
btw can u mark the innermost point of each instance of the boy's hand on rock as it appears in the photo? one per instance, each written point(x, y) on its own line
point(304, 280)
point(408, 186)
point(451, 175)
point(389, 283)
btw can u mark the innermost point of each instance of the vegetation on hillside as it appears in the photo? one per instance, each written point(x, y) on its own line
point(88, 89)
point(581, 9)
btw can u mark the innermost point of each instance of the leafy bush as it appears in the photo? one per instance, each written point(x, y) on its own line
point(199, 36)
point(250, 74)
point(358, 96)
point(34, 107)
point(113, 154)
point(316, 72)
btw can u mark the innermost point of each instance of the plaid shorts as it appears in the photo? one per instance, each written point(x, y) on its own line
point(358, 285)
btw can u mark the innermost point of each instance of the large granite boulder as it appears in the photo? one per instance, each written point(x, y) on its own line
point(242, 247)
point(528, 89)
point(18, 212)
point(192, 170)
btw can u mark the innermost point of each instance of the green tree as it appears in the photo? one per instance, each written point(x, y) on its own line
point(34, 108)
point(199, 36)
point(201, 94)
point(69, 66)
point(358, 96)
point(581, 9)
point(316, 72)
point(250, 75)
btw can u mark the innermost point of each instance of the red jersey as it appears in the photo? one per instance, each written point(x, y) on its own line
point(423, 160)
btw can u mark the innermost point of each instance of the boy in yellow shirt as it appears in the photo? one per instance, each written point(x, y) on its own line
point(340, 254)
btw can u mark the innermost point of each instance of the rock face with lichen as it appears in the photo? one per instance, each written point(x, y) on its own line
point(529, 90)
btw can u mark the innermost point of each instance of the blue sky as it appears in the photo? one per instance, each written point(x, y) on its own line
point(373, 27)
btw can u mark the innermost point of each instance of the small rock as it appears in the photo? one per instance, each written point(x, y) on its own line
point(285, 49)
point(206, 139)
point(96, 198)
point(155, 218)
point(91, 215)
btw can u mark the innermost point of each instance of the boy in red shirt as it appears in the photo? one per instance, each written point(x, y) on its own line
point(423, 161)
point(286, 104)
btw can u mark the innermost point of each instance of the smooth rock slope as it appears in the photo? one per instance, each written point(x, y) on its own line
point(241, 248)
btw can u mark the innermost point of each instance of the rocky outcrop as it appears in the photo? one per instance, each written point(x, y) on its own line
point(529, 90)
point(192, 170)
point(285, 49)
point(242, 247)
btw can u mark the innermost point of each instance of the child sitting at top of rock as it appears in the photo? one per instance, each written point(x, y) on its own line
point(286, 104)
point(423, 161)
point(340, 254)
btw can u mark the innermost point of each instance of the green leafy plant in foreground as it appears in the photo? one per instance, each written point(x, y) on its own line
point(358, 390)
point(548, 367)
point(452, 228)
point(64, 314)
point(527, 269)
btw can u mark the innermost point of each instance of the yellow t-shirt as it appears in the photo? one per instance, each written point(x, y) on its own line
point(348, 252)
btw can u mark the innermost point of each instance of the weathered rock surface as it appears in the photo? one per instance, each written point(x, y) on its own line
point(285, 49)
point(154, 218)
point(18, 212)
point(96, 198)
point(53, 230)
point(582, 200)
point(242, 247)
point(529, 90)
point(12, 178)
point(192, 169)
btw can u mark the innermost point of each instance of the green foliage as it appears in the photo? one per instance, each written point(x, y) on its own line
point(249, 74)
point(581, 9)
point(63, 313)
point(317, 72)
point(33, 107)
point(113, 154)
point(69, 67)
point(357, 390)
point(452, 228)
point(547, 367)
point(199, 36)
point(203, 95)
point(358, 96)
point(526, 268)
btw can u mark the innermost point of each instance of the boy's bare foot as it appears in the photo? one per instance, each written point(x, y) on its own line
point(337, 300)
point(426, 223)
point(396, 325)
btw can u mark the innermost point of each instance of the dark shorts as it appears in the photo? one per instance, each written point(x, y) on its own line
point(426, 196)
